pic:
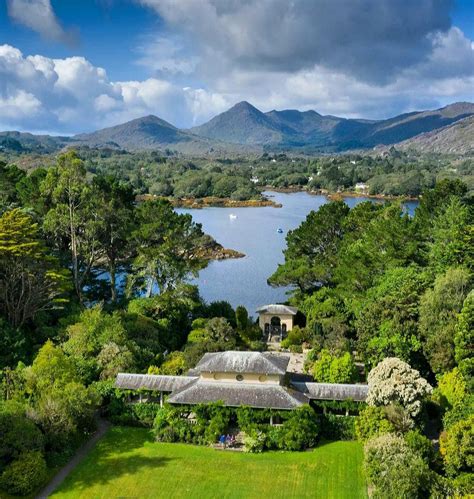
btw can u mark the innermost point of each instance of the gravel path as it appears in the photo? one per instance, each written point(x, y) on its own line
point(102, 427)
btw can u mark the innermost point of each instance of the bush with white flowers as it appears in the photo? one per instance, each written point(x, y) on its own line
point(393, 381)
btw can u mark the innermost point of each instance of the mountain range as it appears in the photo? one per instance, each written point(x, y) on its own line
point(243, 128)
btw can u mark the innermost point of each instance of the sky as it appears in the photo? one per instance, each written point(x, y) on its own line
point(71, 66)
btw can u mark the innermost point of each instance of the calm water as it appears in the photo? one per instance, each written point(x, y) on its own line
point(243, 281)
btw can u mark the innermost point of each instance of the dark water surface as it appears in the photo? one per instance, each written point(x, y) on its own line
point(254, 232)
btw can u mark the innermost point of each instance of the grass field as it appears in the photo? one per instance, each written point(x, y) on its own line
point(126, 463)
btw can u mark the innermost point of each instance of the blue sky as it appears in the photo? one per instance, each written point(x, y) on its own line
point(68, 66)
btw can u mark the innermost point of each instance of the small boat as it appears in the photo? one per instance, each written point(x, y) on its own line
point(232, 216)
point(280, 230)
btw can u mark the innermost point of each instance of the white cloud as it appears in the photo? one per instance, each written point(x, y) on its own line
point(19, 106)
point(39, 16)
point(167, 55)
point(71, 95)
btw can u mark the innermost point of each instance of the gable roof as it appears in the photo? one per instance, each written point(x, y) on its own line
point(277, 309)
point(239, 394)
point(243, 362)
point(332, 391)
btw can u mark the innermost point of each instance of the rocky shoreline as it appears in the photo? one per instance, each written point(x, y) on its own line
point(212, 250)
point(208, 202)
point(338, 195)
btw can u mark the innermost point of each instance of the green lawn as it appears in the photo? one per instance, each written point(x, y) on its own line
point(126, 463)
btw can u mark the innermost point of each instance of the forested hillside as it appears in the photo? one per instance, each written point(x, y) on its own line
point(92, 284)
point(395, 293)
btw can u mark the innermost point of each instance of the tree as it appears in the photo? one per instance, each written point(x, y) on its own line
point(174, 364)
point(452, 388)
point(116, 201)
point(29, 190)
point(10, 175)
point(394, 469)
point(74, 220)
point(328, 320)
point(221, 308)
point(60, 404)
point(394, 381)
point(333, 369)
point(50, 367)
point(19, 434)
point(113, 359)
point(372, 422)
point(30, 278)
point(464, 337)
point(13, 345)
point(25, 474)
point(457, 446)
point(168, 247)
point(387, 324)
point(452, 237)
point(98, 344)
point(241, 318)
point(173, 312)
point(377, 239)
point(439, 309)
point(434, 201)
point(312, 248)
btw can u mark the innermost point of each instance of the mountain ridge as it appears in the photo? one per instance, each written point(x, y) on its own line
point(243, 128)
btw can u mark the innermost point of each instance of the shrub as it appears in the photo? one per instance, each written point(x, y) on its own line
point(463, 485)
point(399, 417)
point(394, 469)
point(394, 381)
point(421, 445)
point(24, 475)
point(254, 441)
point(452, 389)
point(170, 426)
point(333, 369)
point(334, 427)
point(300, 430)
point(459, 412)
point(372, 422)
point(216, 426)
point(175, 364)
point(18, 434)
point(457, 446)
point(210, 421)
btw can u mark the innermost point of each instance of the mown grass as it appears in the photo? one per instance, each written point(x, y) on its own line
point(126, 463)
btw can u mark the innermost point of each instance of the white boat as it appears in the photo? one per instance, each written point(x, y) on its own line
point(232, 216)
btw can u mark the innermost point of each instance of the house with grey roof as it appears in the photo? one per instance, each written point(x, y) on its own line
point(276, 320)
point(255, 379)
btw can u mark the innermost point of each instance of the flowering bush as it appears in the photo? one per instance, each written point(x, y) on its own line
point(393, 381)
point(394, 469)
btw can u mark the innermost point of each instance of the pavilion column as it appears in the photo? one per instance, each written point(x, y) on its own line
point(161, 399)
point(271, 420)
point(140, 397)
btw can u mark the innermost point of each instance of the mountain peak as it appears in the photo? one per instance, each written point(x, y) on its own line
point(242, 105)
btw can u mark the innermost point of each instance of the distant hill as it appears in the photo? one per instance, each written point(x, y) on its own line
point(30, 143)
point(244, 129)
point(457, 138)
point(149, 132)
point(245, 124)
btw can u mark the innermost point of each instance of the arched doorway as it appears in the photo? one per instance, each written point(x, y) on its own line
point(275, 326)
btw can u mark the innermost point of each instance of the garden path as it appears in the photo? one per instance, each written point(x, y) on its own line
point(102, 427)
